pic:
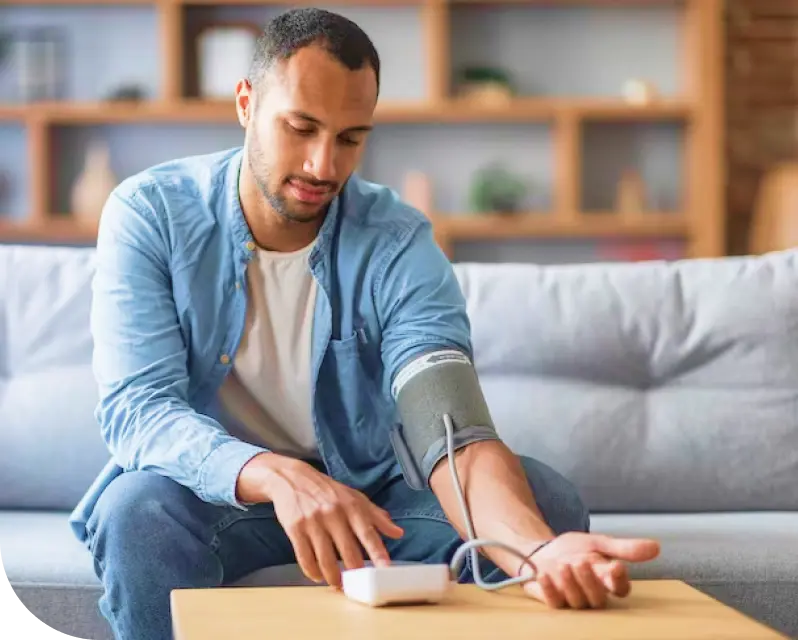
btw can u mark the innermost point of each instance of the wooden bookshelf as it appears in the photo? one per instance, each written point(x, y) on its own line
point(700, 222)
point(388, 112)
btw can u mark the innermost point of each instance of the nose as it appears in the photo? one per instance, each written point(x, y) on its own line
point(321, 163)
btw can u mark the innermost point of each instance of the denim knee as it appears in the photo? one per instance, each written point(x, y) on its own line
point(557, 498)
point(148, 537)
point(139, 512)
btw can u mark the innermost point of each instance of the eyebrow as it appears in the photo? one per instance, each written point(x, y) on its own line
point(310, 118)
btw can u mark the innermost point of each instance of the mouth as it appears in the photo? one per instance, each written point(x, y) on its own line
point(304, 192)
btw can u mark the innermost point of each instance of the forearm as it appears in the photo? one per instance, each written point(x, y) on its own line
point(498, 496)
point(168, 437)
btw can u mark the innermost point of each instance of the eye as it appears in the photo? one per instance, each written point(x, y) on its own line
point(349, 142)
point(302, 131)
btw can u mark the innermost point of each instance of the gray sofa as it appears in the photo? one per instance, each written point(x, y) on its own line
point(668, 393)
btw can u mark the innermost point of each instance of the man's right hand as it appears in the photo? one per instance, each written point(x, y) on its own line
point(324, 519)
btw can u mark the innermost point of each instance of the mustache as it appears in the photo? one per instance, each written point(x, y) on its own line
point(313, 182)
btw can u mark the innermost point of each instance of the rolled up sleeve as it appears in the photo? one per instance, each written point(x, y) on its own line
point(140, 361)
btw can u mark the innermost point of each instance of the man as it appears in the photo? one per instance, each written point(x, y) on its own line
point(253, 311)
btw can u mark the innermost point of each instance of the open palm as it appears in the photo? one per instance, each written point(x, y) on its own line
point(580, 570)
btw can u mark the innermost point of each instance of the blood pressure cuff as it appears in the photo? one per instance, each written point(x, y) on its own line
point(435, 384)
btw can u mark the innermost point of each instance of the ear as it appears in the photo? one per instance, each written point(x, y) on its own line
point(244, 101)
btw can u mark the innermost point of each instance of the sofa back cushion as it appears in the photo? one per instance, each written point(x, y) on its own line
point(50, 443)
point(652, 386)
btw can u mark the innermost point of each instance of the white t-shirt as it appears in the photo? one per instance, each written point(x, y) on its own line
point(268, 389)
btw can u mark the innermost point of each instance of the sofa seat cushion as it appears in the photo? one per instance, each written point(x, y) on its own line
point(39, 548)
point(745, 560)
point(712, 547)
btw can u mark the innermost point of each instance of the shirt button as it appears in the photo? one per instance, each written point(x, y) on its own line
point(225, 359)
point(238, 285)
point(250, 246)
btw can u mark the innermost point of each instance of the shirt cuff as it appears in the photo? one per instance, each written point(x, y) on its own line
point(219, 473)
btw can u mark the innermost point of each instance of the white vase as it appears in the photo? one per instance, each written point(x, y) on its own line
point(94, 184)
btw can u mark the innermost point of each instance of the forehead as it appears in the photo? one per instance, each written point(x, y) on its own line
point(313, 80)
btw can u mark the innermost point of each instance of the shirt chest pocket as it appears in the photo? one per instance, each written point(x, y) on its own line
point(350, 382)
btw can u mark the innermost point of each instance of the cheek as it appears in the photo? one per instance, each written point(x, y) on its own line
point(350, 159)
point(272, 160)
point(289, 154)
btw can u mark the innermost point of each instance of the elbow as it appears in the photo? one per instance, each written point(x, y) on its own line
point(119, 417)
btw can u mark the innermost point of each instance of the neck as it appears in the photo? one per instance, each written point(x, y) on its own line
point(269, 229)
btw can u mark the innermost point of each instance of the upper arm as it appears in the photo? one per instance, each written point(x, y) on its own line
point(421, 304)
point(138, 346)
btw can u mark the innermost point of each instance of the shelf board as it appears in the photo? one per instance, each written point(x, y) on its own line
point(525, 109)
point(498, 226)
point(449, 111)
point(107, 3)
point(343, 2)
point(12, 113)
point(559, 3)
point(48, 230)
point(59, 228)
point(370, 3)
point(609, 110)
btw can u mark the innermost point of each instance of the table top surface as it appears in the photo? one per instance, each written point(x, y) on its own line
point(654, 609)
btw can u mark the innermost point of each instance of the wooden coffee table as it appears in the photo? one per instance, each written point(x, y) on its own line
point(655, 609)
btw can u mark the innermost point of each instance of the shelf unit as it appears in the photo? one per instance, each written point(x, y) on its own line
point(700, 222)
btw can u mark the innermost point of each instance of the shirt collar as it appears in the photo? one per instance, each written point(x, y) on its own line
point(244, 244)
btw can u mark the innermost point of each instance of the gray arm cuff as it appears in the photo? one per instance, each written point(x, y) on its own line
point(434, 385)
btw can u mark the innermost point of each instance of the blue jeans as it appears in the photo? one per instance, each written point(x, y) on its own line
point(150, 535)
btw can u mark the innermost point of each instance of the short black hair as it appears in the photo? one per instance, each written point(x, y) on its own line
point(295, 29)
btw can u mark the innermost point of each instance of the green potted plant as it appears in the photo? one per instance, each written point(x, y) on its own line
point(494, 189)
point(485, 84)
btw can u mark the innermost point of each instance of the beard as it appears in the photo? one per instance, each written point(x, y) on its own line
point(279, 203)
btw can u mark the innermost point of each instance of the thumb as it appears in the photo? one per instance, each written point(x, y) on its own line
point(630, 549)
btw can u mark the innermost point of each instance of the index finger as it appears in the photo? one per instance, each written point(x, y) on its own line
point(371, 540)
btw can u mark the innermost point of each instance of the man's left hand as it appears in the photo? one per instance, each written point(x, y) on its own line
point(580, 570)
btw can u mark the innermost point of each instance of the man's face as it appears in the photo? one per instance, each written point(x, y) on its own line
point(307, 129)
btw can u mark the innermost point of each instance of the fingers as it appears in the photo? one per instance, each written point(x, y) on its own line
point(615, 577)
point(581, 584)
point(383, 522)
point(592, 588)
point(305, 556)
point(353, 522)
point(372, 543)
point(345, 541)
point(325, 554)
point(544, 589)
point(567, 584)
point(324, 525)
point(367, 524)
point(574, 586)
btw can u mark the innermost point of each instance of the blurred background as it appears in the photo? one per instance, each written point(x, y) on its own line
point(544, 131)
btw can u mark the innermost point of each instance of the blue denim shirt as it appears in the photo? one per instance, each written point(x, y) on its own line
point(169, 308)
